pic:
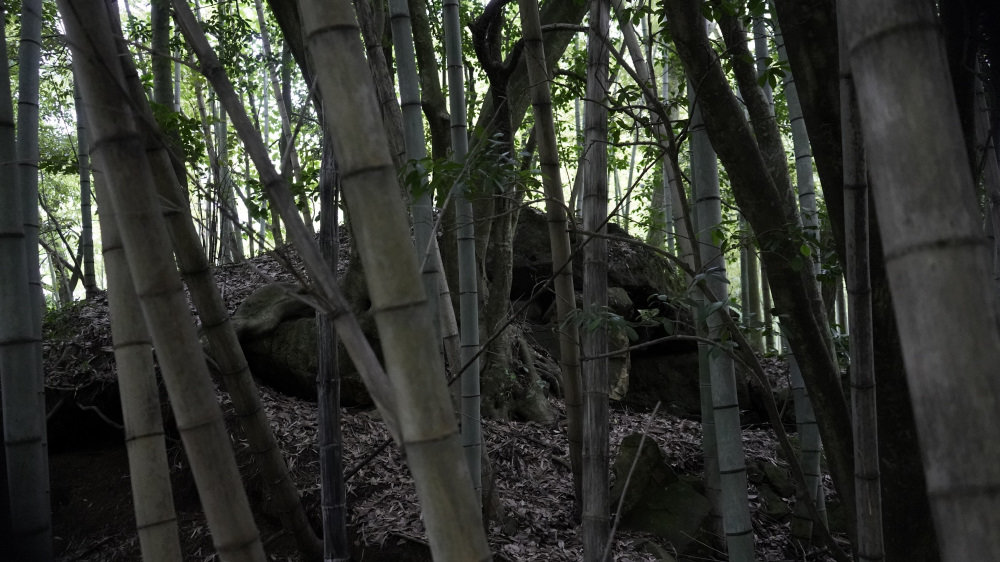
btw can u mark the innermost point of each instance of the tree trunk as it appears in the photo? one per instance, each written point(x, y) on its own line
point(86, 196)
point(709, 441)
point(163, 83)
point(722, 378)
point(810, 34)
point(149, 469)
point(428, 428)
point(157, 282)
point(567, 14)
point(753, 316)
point(422, 205)
point(671, 181)
point(595, 291)
point(771, 212)
point(290, 167)
point(432, 98)
point(810, 451)
point(23, 399)
point(496, 208)
point(209, 211)
point(371, 20)
point(230, 236)
point(870, 543)
point(466, 239)
point(29, 58)
point(337, 547)
point(958, 21)
point(657, 233)
point(422, 208)
point(767, 303)
point(559, 241)
point(990, 170)
point(935, 256)
point(709, 433)
point(805, 416)
point(275, 87)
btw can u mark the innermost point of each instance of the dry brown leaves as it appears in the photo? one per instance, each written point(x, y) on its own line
point(532, 479)
point(532, 482)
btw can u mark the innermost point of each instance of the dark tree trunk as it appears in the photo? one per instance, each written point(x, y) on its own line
point(959, 20)
point(771, 213)
point(809, 29)
point(336, 546)
point(432, 100)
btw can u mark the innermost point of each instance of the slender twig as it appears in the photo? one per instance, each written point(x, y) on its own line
point(369, 458)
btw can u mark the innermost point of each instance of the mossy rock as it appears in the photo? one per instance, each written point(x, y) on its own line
point(286, 360)
point(675, 513)
point(656, 500)
point(651, 471)
point(779, 480)
point(773, 504)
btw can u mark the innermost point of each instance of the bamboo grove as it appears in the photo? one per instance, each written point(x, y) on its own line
point(822, 177)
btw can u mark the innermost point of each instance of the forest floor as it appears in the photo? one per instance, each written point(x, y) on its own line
point(93, 514)
point(91, 498)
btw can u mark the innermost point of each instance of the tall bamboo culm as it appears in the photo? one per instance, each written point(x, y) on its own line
point(336, 545)
point(595, 520)
point(556, 213)
point(223, 342)
point(371, 190)
point(867, 478)
point(329, 297)
point(937, 262)
point(149, 469)
point(468, 285)
point(733, 501)
point(26, 478)
point(805, 416)
point(158, 285)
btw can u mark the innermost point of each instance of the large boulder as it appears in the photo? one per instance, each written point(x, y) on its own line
point(638, 277)
point(667, 374)
point(639, 270)
point(267, 307)
point(277, 330)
